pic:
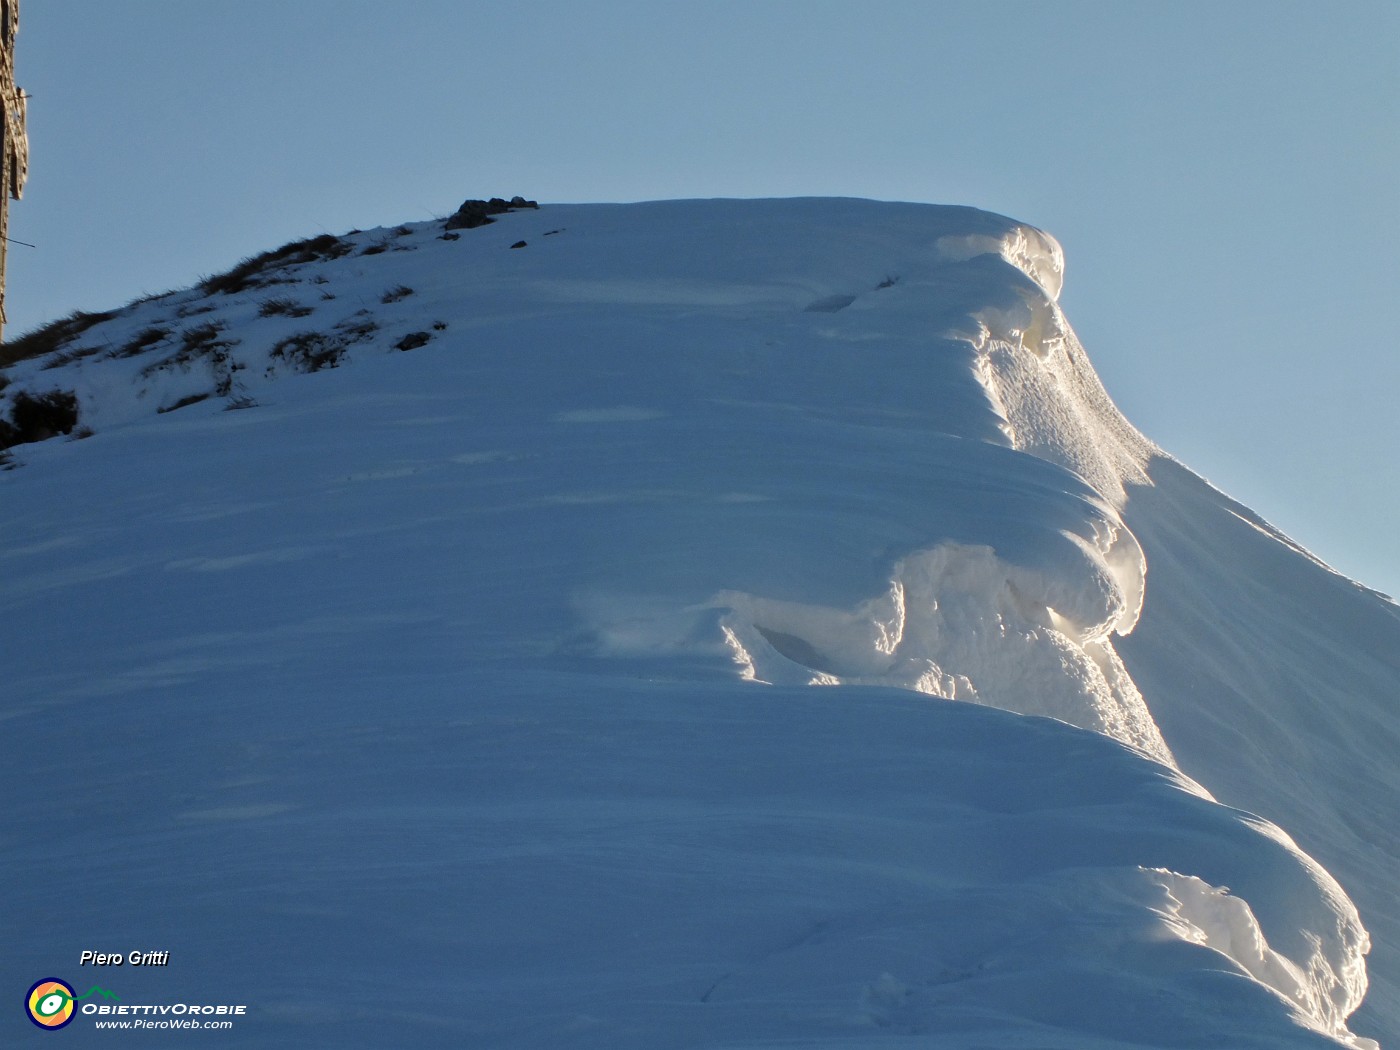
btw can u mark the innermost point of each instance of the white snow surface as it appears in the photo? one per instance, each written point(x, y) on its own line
point(459, 695)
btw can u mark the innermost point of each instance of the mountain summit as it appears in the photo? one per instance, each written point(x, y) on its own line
point(425, 631)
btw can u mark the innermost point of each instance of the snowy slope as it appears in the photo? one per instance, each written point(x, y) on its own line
point(420, 700)
point(1293, 709)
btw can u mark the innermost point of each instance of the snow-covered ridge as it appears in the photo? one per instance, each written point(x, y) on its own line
point(839, 443)
point(321, 304)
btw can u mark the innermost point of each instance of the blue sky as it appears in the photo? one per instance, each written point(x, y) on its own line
point(1223, 176)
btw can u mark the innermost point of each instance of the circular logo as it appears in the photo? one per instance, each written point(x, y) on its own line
point(50, 1003)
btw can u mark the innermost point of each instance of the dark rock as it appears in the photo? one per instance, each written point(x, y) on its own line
point(469, 216)
point(39, 418)
point(519, 244)
point(474, 213)
point(184, 402)
point(413, 341)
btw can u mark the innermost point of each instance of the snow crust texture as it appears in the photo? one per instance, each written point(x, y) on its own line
point(543, 558)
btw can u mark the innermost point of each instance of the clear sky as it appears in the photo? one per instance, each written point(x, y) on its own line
point(1224, 176)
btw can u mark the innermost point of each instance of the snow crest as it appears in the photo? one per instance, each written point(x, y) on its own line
point(1034, 252)
point(960, 623)
point(1035, 369)
point(1326, 978)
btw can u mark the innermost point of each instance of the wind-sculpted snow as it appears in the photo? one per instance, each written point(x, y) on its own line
point(636, 481)
point(868, 418)
point(1204, 914)
point(959, 623)
point(1034, 252)
point(1287, 705)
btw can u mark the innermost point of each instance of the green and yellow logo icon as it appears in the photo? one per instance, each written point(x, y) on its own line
point(50, 1003)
